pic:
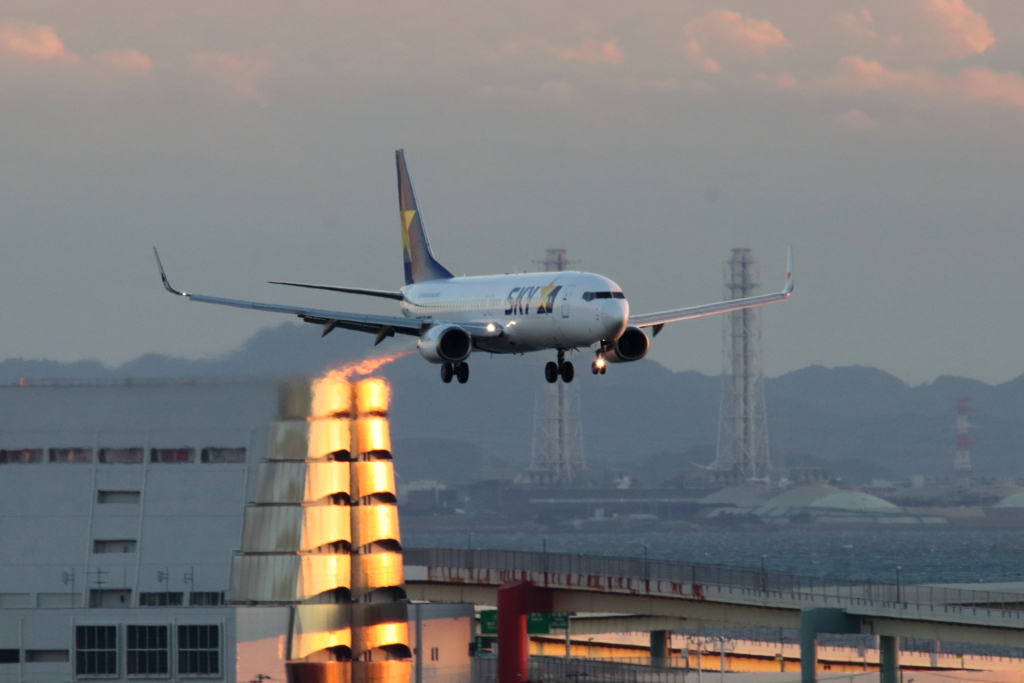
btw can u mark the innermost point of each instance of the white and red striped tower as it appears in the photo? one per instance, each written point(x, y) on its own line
point(962, 468)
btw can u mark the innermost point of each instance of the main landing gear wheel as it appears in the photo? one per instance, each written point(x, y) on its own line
point(567, 372)
point(598, 368)
point(563, 369)
point(447, 371)
point(462, 372)
point(551, 372)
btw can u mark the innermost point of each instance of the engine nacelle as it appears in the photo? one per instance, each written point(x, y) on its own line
point(630, 346)
point(445, 344)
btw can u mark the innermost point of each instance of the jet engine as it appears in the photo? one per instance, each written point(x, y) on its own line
point(630, 346)
point(445, 344)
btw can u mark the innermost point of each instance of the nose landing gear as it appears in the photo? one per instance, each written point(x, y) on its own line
point(599, 366)
point(563, 369)
point(458, 370)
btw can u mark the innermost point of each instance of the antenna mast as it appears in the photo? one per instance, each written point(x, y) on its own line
point(743, 423)
point(558, 433)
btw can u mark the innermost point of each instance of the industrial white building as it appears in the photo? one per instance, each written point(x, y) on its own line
point(120, 508)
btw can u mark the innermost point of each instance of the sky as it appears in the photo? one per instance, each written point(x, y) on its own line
point(254, 140)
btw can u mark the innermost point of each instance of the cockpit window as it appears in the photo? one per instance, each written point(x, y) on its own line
point(590, 296)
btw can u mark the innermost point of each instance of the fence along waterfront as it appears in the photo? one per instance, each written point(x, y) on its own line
point(720, 579)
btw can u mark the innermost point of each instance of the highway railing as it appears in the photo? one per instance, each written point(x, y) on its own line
point(559, 670)
point(703, 580)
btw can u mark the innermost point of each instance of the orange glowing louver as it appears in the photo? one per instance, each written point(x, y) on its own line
point(322, 533)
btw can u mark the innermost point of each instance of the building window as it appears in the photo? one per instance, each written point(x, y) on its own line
point(121, 456)
point(198, 650)
point(172, 455)
point(146, 650)
point(70, 455)
point(96, 650)
point(110, 598)
point(114, 546)
point(435, 654)
point(15, 600)
point(205, 598)
point(10, 656)
point(58, 600)
point(223, 455)
point(165, 599)
point(118, 497)
point(21, 456)
point(46, 656)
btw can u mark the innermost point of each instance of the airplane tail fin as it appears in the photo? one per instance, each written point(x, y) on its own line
point(419, 261)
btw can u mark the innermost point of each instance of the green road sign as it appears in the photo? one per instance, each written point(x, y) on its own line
point(559, 620)
point(536, 623)
point(488, 621)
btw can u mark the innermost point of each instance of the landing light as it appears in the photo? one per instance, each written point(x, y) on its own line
point(491, 327)
point(600, 362)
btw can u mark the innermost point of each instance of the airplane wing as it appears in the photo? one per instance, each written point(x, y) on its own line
point(658, 320)
point(380, 325)
point(398, 296)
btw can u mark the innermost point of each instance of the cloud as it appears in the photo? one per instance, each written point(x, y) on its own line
point(983, 84)
point(37, 43)
point(592, 52)
point(856, 119)
point(125, 60)
point(561, 91)
point(859, 25)
point(786, 81)
point(856, 74)
point(964, 32)
point(710, 66)
point(726, 28)
point(236, 72)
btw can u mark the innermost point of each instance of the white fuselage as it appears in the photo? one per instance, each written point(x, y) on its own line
point(563, 309)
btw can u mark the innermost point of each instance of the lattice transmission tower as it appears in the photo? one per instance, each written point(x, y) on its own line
point(962, 467)
point(743, 422)
point(557, 457)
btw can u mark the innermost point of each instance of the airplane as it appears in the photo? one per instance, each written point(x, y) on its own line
point(453, 317)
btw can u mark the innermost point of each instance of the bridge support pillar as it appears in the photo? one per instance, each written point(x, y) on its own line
point(660, 648)
point(815, 620)
point(515, 600)
point(889, 659)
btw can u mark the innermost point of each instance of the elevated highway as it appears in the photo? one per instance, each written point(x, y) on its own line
point(709, 596)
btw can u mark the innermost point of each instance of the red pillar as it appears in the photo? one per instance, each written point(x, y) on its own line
point(515, 601)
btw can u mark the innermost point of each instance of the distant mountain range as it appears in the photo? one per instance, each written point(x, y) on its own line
point(642, 418)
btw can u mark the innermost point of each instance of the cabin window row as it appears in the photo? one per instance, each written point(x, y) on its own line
point(121, 456)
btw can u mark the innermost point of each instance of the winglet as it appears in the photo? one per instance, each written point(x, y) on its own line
point(788, 289)
point(163, 275)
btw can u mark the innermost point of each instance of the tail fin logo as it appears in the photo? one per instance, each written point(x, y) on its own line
point(407, 219)
point(419, 262)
